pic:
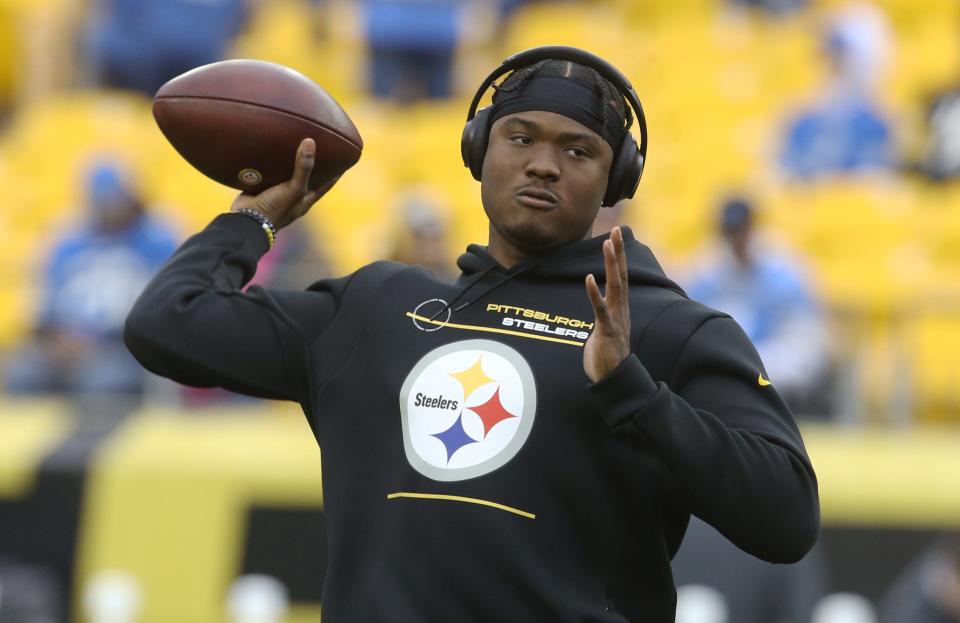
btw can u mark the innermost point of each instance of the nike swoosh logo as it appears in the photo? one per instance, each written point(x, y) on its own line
point(762, 382)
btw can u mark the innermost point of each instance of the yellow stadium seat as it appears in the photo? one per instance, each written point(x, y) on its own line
point(18, 300)
point(863, 239)
point(32, 56)
point(320, 42)
point(10, 53)
point(350, 219)
point(933, 350)
point(654, 13)
point(596, 28)
point(50, 143)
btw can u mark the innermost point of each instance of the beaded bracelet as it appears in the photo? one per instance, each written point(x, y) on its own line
point(269, 228)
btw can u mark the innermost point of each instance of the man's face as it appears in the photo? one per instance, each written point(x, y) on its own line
point(113, 213)
point(738, 238)
point(544, 176)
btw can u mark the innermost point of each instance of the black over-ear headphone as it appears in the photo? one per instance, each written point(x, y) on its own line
point(628, 160)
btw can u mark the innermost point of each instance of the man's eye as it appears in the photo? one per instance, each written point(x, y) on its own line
point(578, 152)
point(521, 139)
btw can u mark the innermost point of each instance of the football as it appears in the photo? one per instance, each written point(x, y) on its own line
point(239, 122)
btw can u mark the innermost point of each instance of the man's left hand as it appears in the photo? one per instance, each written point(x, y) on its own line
point(609, 343)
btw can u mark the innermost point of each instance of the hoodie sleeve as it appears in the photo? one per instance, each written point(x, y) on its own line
point(729, 442)
point(194, 324)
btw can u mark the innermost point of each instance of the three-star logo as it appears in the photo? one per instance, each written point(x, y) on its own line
point(467, 408)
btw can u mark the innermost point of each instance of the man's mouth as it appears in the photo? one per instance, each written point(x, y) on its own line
point(538, 198)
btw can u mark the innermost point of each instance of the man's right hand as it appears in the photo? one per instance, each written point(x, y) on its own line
point(286, 202)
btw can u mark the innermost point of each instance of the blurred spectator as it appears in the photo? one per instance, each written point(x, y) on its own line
point(844, 131)
point(768, 294)
point(93, 276)
point(941, 153)
point(507, 7)
point(140, 44)
point(411, 47)
point(772, 7)
point(421, 238)
point(928, 591)
point(751, 590)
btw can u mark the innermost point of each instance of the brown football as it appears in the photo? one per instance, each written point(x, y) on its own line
point(239, 122)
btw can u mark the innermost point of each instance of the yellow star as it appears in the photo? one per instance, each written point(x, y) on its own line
point(472, 378)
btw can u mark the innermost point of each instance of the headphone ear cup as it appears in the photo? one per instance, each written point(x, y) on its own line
point(473, 142)
point(466, 143)
point(625, 172)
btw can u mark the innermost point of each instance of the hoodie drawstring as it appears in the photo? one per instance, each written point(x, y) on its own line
point(482, 294)
point(483, 273)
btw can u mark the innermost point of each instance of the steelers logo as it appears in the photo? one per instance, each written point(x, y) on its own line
point(467, 408)
point(250, 177)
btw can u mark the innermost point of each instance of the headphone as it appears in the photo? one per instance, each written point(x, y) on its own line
point(628, 159)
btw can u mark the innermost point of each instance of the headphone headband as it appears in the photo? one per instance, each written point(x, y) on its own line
point(574, 55)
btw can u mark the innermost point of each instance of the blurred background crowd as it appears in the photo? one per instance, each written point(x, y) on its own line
point(803, 176)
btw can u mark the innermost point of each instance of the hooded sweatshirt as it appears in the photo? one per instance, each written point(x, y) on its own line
point(471, 471)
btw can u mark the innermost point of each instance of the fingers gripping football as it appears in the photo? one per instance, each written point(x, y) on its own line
point(286, 202)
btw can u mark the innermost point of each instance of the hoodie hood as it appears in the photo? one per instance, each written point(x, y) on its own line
point(570, 263)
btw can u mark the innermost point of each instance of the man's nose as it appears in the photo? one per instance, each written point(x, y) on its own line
point(544, 163)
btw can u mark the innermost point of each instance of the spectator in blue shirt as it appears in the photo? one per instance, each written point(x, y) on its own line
point(140, 44)
point(844, 131)
point(411, 45)
point(768, 294)
point(92, 278)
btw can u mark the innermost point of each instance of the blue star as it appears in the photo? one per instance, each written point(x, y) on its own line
point(454, 438)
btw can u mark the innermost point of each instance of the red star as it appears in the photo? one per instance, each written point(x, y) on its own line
point(492, 412)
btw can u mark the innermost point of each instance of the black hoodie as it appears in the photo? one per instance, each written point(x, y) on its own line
point(471, 472)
